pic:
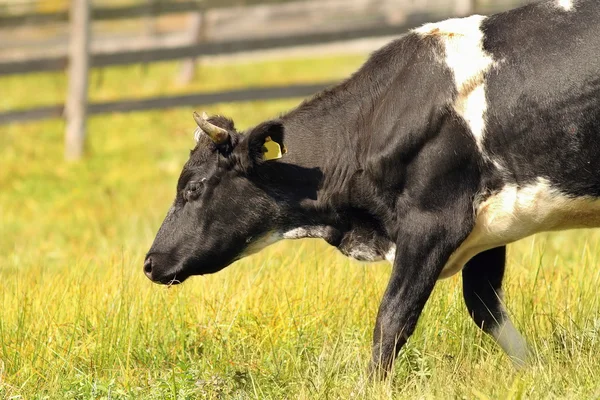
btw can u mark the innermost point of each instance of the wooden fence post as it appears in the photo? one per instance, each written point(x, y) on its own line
point(150, 20)
point(198, 29)
point(76, 105)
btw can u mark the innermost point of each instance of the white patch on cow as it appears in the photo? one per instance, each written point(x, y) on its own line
point(462, 39)
point(319, 232)
point(254, 245)
point(363, 252)
point(358, 251)
point(566, 5)
point(511, 341)
point(390, 256)
point(472, 108)
point(517, 212)
point(463, 44)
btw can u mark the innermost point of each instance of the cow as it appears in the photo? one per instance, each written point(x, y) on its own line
point(449, 143)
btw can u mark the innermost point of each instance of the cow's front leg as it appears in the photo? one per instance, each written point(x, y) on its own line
point(422, 250)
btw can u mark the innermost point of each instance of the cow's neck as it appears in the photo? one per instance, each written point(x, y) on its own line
point(322, 138)
point(328, 134)
point(332, 131)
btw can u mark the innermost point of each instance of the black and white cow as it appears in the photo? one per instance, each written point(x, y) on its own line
point(449, 143)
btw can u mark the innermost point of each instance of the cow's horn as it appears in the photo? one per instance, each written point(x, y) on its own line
point(217, 134)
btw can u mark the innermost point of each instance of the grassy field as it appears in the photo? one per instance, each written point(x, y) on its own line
point(78, 320)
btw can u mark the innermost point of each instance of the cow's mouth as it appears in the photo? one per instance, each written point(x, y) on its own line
point(171, 279)
point(171, 282)
point(158, 275)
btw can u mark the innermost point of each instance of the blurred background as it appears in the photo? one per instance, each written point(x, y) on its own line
point(96, 101)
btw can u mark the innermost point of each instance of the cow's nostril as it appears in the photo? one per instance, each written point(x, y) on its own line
point(148, 267)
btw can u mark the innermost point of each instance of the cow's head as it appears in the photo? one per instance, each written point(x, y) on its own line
point(233, 197)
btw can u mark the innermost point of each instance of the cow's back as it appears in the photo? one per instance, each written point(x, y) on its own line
point(543, 95)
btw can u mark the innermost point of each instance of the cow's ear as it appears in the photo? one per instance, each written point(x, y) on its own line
point(265, 143)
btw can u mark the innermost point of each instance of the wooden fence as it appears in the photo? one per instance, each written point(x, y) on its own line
point(79, 61)
point(153, 8)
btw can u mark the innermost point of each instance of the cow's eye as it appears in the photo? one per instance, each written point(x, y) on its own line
point(193, 189)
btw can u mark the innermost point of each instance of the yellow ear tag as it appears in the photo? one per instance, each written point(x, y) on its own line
point(272, 150)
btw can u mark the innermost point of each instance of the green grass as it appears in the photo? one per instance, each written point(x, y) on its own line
point(79, 320)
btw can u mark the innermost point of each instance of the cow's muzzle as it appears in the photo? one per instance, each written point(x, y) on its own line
point(154, 272)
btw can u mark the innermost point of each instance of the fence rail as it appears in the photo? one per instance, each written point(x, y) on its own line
point(151, 8)
point(163, 102)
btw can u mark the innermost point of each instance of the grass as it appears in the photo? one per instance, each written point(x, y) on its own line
point(79, 320)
